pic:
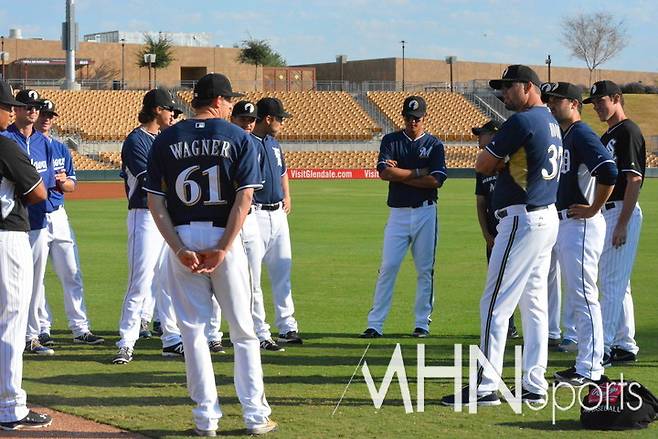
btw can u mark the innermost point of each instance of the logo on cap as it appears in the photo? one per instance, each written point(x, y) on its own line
point(593, 89)
point(549, 86)
point(249, 107)
point(48, 105)
point(505, 72)
point(413, 104)
point(33, 94)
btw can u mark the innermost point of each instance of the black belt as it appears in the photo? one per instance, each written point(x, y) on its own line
point(609, 205)
point(423, 204)
point(502, 213)
point(563, 215)
point(275, 206)
point(214, 223)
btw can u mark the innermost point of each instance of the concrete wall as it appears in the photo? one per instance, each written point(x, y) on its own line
point(428, 70)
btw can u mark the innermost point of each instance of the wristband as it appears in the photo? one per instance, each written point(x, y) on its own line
point(179, 250)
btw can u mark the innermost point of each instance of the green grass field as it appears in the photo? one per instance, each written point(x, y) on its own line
point(337, 231)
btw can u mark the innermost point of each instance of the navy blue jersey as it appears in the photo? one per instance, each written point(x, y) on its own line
point(424, 152)
point(531, 143)
point(584, 157)
point(626, 144)
point(62, 161)
point(199, 166)
point(272, 168)
point(39, 151)
point(485, 186)
point(134, 156)
point(17, 178)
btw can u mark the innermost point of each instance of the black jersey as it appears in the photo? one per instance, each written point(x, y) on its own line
point(625, 142)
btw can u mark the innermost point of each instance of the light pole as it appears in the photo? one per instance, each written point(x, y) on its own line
point(450, 60)
point(548, 63)
point(341, 59)
point(3, 56)
point(149, 58)
point(403, 43)
point(123, 64)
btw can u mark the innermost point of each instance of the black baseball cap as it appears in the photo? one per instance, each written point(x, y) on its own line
point(516, 73)
point(564, 90)
point(29, 97)
point(159, 97)
point(493, 126)
point(414, 106)
point(271, 107)
point(244, 108)
point(48, 107)
point(7, 95)
point(602, 88)
point(213, 85)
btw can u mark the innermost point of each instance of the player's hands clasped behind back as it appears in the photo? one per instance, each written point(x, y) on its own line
point(204, 261)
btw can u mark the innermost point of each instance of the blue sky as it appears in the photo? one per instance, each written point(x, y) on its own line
point(309, 31)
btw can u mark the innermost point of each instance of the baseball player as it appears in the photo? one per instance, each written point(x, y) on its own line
point(244, 115)
point(484, 188)
point(413, 162)
point(623, 218)
point(527, 155)
point(39, 150)
point(60, 241)
point(202, 173)
point(271, 206)
point(20, 184)
point(588, 177)
point(145, 244)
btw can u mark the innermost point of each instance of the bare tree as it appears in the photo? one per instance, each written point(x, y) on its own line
point(594, 38)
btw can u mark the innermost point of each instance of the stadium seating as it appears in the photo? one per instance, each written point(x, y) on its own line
point(86, 163)
point(318, 115)
point(449, 115)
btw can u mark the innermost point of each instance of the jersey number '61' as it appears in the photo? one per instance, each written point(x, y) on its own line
point(189, 191)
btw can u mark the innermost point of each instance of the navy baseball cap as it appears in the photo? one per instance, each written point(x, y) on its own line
point(159, 97)
point(271, 107)
point(29, 97)
point(602, 88)
point(516, 73)
point(7, 95)
point(213, 85)
point(244, 108)
point(493, 126)
point(48, 107)
point(564, 90)
point(414, 106)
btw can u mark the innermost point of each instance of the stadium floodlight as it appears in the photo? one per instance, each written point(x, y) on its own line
point(149, 58)
point(403, 43)
point(450, 60)
point(548, 63)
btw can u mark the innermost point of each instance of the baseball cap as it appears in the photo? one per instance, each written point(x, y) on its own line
point(159, 97)
point(7, 95)
point(213, 85)
point(414, 106)
point(564, 90)
point(271, 107)
point(493, 126)
point(602, 88)
point(516, 73)
point(29, 97)
point(48, 107)
point(244, 108)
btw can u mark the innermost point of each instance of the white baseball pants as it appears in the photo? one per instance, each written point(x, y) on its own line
point(65, 261)
point(145, 257)
point(580, 244)
point(517, 274)
point(16, 275)
point(554, 296)
point(418, 228)
point(615, 269)
point(255, 248)
point(39, 245)
point(191, 295)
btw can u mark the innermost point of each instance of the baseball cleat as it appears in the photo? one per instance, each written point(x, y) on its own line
point(487, 399)
point(89, 338)
point(157, 328)
point(31, 421)
point(123, 356)
point(46, 340)
point(570, 376)
point(620, 356)
point(144, 331)
point(270, 345)
point(370, 333)
point(290, 337)
point(175, 350)
point(568, 345)
point(34, 347)
point(205, 433)
point(554, 342)
point(513, 333)
point(532, 398)
point(420, 333)
point(607, 360)
point(216, 347)
point(267, 427)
